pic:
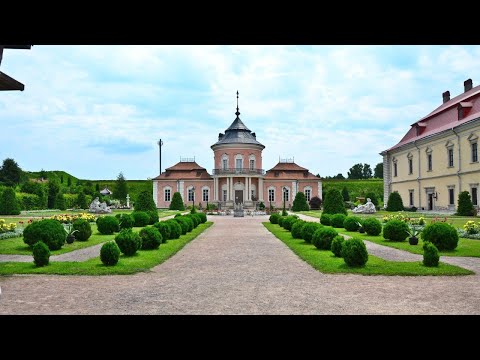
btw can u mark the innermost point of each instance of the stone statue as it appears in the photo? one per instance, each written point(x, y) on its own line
point(368, 208)
point(99, 208)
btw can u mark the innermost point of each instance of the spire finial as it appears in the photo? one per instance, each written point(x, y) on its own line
point(238, 112)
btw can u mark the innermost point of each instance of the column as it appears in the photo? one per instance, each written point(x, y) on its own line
point(215, 188)
point(260, 189)
point(249, 189)
point(246, 189)
point(232, 194)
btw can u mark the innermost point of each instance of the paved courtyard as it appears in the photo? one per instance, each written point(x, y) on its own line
point(238, 267)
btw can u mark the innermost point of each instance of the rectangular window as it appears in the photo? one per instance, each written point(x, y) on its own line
point(474, 152)
point(205, 194)
point(271, 195)
point(286, 194)
point(225, 165)
point(451, 196)
point(308, 194)
point(450, 157)
point(411, 197)
point(410, 166)
point(395, 173)
point(167, 194)
point(191, 195)
point(429, 158)
point(239, 163)
point(252, 164)
point(474, 196)
point(224, 195)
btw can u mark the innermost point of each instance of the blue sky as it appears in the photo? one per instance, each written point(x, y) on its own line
point(94, 111)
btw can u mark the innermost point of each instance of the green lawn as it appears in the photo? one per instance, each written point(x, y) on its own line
point(35, 214)
point(142, 261)
point(324, 260)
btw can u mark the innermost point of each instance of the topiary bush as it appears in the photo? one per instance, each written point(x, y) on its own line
point(107, 225)
point(351, 223)
point(372, 226)
point(430, 254)
point(49, 231)
point(141, 218)
point(325, 219)
point(444, 236)
point(164, 228)
point(465, 206)
point(288, 221)
point(354, 253)
point(297, 229)
point(128, 241)
point(337, 220)
point(84, 229)
point(126, 221)
point(315, 203)
point(322, 238)
point(153, 216)
point(395, 202)
point(8, 202)
point(82, 200)
point(203, 217)
point(333, 203)
point(183, 223)
point(189, 222)
point(194, 219)
point(198, 217)
point(175, 229)
point(41, 254)
point(110, 253)
point(337, 244)
point(145, 202)
point(280, 220)
point(151, 238)
point(308, 230)
point(395, 230)
point(300, 203)
point(274, 218)
point(177, 202)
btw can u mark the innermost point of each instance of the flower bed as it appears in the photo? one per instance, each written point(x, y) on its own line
point(69, 218)
point(402, 217)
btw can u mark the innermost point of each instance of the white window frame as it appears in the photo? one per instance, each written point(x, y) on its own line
point(205, 190)
point(169, 193)
point(190, 191)
point(224, 195)
point(309, 189)
point(271, 194)
point(224, 159)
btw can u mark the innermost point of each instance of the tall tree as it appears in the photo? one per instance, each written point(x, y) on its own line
point(8, 203)
point(69, 181)
point(53, 189)
point(333, 203)
point(10, 172)
point(378, 173)
point(339, 176)
point(120, 190)
point(356, 172)
point(367, 171)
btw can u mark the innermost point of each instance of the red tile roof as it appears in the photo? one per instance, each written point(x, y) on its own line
point(184, 170)
point(291, 170)
point(444, 117)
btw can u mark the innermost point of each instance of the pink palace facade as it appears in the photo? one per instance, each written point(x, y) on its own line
point(238, 176)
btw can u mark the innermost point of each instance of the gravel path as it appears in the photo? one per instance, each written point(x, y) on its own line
point(238, 267)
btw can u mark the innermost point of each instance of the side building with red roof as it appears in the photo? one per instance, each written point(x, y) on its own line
point(438, 156)
point(238, 176)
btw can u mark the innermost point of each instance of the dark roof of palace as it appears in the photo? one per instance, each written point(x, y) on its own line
point(184, 170)
point(443, 118)
point(238, 133)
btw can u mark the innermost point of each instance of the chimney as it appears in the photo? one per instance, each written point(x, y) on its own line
point(467, 84)
point(446, 96)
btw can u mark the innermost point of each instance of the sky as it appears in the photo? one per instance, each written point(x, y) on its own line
point(95, 111)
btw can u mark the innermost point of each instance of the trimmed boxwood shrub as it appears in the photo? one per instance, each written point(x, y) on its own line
point(41, 254)
point(288, 221)
point(309, 229)
point(8, 202)
point(107, 225)
point(430, 254)
point(297, 229)
point(151, 238)
point(203, 217)
point(372, 226)
point(351, 223)
point(126, 221)
point(198, 217)
point(128, 241)
point(354, 253)
point(189, 222)
point(141, 218)
point(177, 202)
point(465, 206)
point(322, 238)
point(110, 253)
point(164, 228)
point(395, 202)
point(280, 220)
point(183, 223)
point(300, 202)
point(315, 203)
point(442, 235)
point(333, 203)
point(50, 231)
point(337, 220)
point(175, 229)
point(395, 230)
point(153, 216)
point(145, 202)
point(194, 219)
point(84, 229)
point(337, 244)
point(274, 218)
point(325, 219)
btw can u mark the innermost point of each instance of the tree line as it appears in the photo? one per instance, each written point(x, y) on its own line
point(360, 171)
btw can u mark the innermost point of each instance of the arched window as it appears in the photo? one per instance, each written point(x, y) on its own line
point(167, 193)
point(251, 162)
point(307, 190)
point(238, 162)
point(205, 193)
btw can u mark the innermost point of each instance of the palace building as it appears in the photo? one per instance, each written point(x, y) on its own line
point(438, 156)
point(237, 177)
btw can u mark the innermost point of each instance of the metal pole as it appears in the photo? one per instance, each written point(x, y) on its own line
point(160, 143)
